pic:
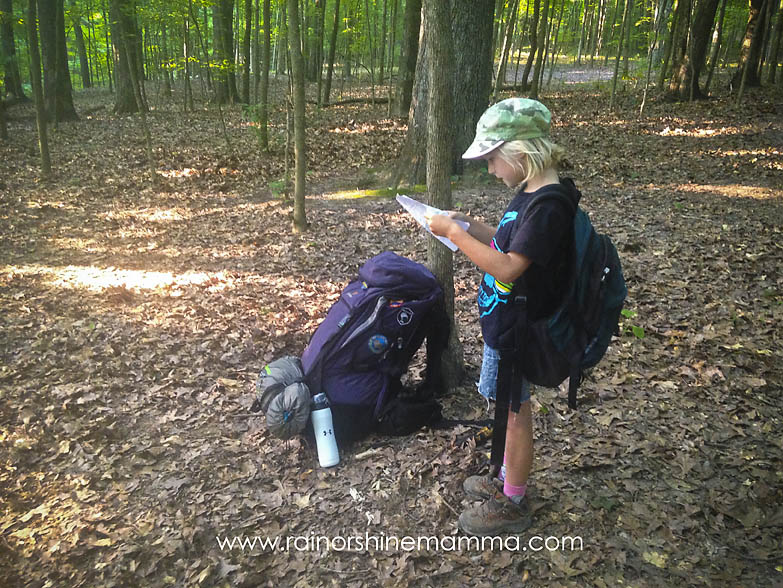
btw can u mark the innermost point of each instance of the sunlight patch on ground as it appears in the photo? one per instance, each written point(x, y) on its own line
point(732, 191)
point(78, 244)
point(698, 133)
point(150, 214)
point(179, 173)
point(96, 279)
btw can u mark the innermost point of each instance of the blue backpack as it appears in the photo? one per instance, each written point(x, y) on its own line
point(359, 352)
point(576, 336)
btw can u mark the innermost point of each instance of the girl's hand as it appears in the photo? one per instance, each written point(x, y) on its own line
point(441, 225)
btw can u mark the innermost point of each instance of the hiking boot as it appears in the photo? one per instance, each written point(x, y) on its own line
point(482, 487)
point(498, 514)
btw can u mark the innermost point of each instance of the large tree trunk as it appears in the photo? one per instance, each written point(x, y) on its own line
point(11, 80)
point(690, 60)
point(38, 96)
point(123, 36)
point(58, 93)
point(472, 83)
point(410, 53)
point(752, 42)
point(439, 149)
point(472, 31)
point(223, 23)
point(297, 73)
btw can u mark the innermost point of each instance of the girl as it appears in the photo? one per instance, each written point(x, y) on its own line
point(526, 253)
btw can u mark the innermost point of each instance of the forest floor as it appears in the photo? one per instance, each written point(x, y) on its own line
point(136, 316)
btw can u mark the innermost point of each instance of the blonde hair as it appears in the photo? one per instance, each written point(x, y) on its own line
point(532, 157)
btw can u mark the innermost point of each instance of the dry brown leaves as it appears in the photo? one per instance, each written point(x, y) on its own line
point(135, 319)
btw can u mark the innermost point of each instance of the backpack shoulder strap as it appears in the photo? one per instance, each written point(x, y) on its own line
point(556, 192)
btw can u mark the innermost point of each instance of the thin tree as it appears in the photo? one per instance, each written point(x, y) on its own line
point(439, 148)
point(332, 51)
point(626, 12)
point(297, 71)
point(263, 105)
point(12, 80)
point(541, 51)
point(38, 97)
point(246, 51)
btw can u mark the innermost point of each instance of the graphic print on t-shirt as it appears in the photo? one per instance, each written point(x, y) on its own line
point(493, 291)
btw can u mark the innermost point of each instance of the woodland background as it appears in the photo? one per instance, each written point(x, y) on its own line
point(192, 185)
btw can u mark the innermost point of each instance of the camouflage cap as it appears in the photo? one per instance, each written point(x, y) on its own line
point(513, 119)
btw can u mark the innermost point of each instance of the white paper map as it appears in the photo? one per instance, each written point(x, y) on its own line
point(421, 211)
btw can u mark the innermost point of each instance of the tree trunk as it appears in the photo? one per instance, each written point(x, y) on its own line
point(533, 44)
point(186, 49)
point(164, 59)
point(439, 149)
point(716, 47)
point(332, 50)
point(246, 51)
point(540, 53)
point(84, 63)
point(58, 94)
point(410, 53)
point(297, 73)
point(751, 46)
point(266, 63)
point(472, 71)
point(689, 59)
point(38, 97)
point(123, 25)
point(775, 49)
point(626, 11)
point(11, 80)
point(472, 33)
point(500, 78)
point(223, 32)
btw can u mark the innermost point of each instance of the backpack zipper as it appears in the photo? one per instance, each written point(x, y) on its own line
point(370, 320)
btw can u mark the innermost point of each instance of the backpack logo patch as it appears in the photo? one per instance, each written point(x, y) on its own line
point(404, 317)
point(378, 344)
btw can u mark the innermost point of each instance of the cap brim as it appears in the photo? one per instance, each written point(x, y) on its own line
point(480, 148)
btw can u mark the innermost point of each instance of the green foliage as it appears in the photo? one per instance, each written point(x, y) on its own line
point(628, 327)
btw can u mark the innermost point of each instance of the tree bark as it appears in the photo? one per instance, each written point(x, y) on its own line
point(246, 51)
point(297, 73)
point(472, 33)
point(38, 97)
point(541, 44)
point(223, 25)
point(500, 78)
point(439, 149)
point(751, 46)
point(58, 94)
point(123, 26)
point(775, 49)
point(332, 50)
point(533, 44)
point(410, 53)
point(12, 80)
point(690, 58)
point(84, 62)
point(472, 72)
point(266, 63)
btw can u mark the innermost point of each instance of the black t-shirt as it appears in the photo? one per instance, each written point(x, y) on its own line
point(545, 237)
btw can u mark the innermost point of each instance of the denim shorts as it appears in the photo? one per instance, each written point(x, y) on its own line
point(488, 380)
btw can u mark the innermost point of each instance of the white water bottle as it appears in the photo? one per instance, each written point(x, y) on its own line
point(325, 441)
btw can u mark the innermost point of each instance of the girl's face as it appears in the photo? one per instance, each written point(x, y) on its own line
point(501, 169)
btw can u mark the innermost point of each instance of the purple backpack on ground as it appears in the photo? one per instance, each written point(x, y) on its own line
point(364, 345)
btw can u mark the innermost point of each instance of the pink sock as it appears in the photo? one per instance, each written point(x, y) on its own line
point(514, 492)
